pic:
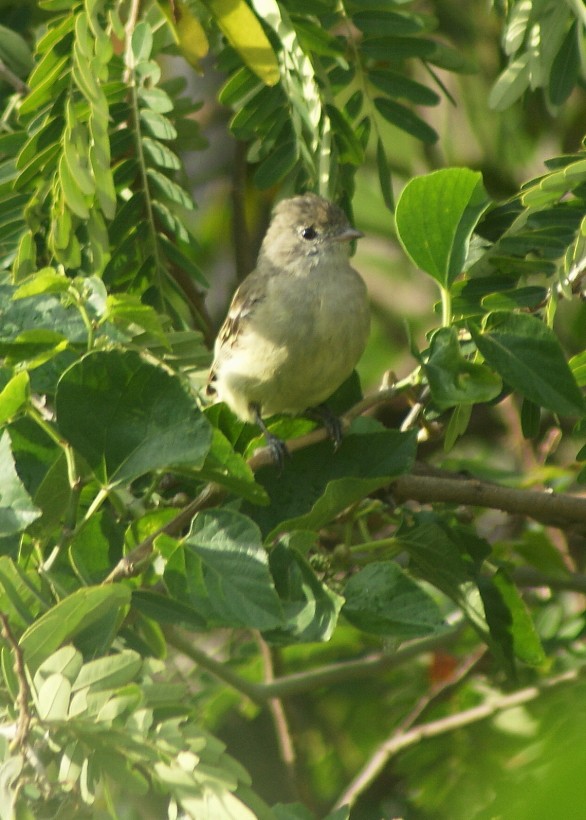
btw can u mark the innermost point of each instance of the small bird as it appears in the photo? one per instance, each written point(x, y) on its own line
point(297, 324)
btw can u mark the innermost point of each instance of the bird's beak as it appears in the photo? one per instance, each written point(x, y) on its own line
point(347, 235)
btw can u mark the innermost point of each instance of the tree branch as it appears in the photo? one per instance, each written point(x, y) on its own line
point(329, 675)
point(12, 79)
point(491, 707)
point(554, 509)
point(24, 694)
point(378, 760)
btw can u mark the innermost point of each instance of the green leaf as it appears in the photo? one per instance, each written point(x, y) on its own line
point(66, 661)
point(277, 165)
point(127, 417)
point(53, 698)
point(21, 597)
point(244, 32)
point(156, 99)
point(157, 125)
point(528, 356)
point(222, 571)
point(348, 143)
point(405, 119)
point(51, 85)
point(169, 189)
point(141, 42)
point(80, 610)
point(179, 253)
point(166, 610)
point(96, 546)
point(397, 48)
point(435, 217)
point(397, 85)
point(384, 175)
point(17, 510)
point(452, 378)
point(109, 672)
point(74, 197)
point(228, 468)
point(578, 367)
point(387, 22)
point(46, 280)
point(530, 419)
point(509, 619)
point(436, 555)
point(13, 396)
point(317, 484)
point(310, 608)
point(511, 84)
point(566, 66)
point(383, 600)
point(14, 52)
point(530, 297)
point(187, 31)
point(126, 310)
point(241, 87)
point(160, 154)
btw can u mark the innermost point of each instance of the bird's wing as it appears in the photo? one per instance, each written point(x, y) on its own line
point(252, 291)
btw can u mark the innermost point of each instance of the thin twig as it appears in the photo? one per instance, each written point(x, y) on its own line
point(23, 698)
point(434, 728)
point(129, 27)
point(379, 759)
point(12, 79)
point(280, 721)
point(312, 679)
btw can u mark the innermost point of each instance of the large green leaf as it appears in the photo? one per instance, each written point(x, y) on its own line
point(17, 510)
point(435, 217)
point(310, 608)
point(528, 356)
point(383, 600)
point(81, 610)
point(127, 417)
point(318, 483)
point(509, 619)
point(437, 557)
point(222, 571)
point(452, 378)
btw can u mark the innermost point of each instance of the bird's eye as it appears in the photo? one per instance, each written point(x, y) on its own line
point(309, 233)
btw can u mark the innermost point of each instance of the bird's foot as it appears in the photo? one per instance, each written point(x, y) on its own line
point(277, 447)
point(330, 421)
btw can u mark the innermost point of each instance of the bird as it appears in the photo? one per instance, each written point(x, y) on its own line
point(297, 324)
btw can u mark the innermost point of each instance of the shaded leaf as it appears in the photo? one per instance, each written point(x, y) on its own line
point(78, 611)
point(222, 571)
point(127, 417)
point(317, 483)
point(528, 356)
point(17, 510)
point(453, 379)
point(383, 600)
point(310, 608)
point(405, 119)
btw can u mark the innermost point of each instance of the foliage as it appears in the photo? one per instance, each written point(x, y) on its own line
point(154, 567)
